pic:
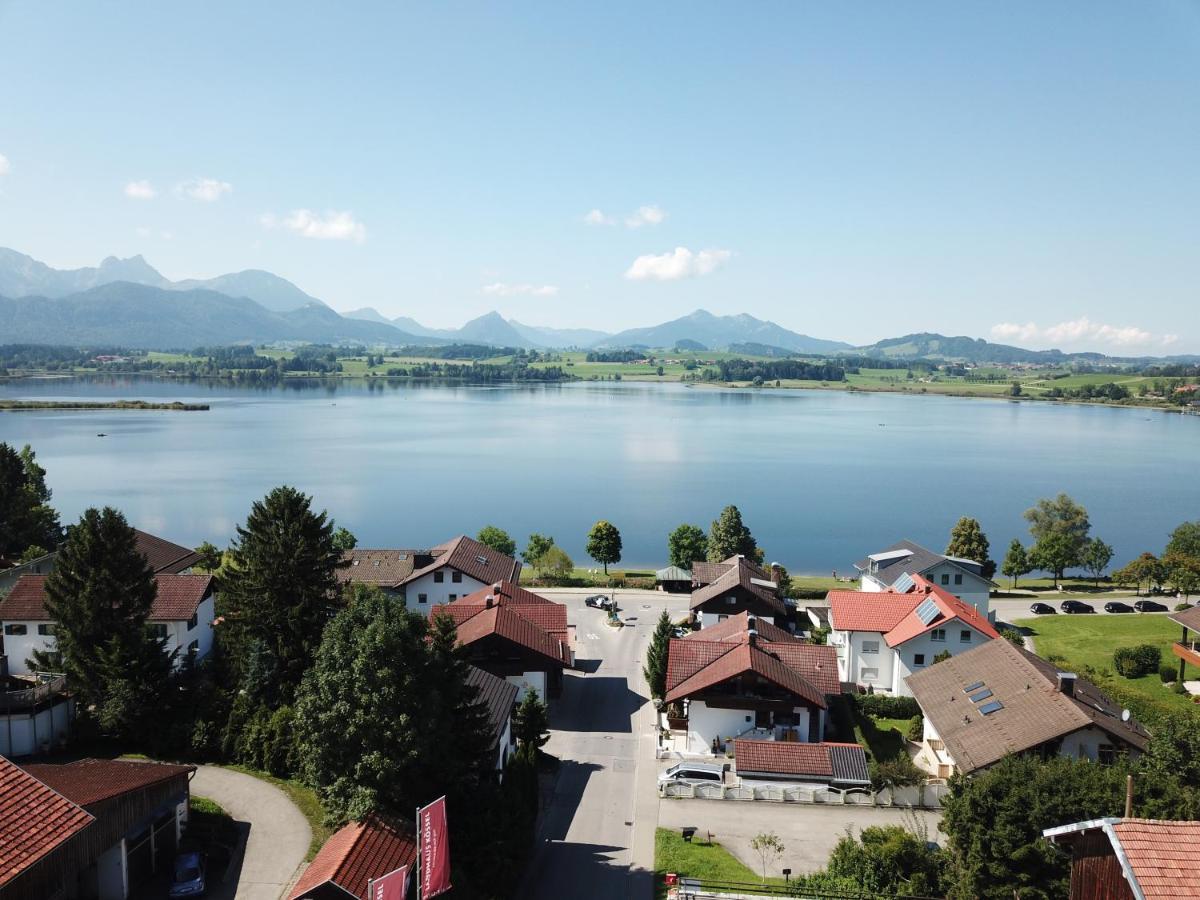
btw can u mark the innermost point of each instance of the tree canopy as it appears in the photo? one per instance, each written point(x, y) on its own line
point(536, 548)
point(1185, 541)
point(685, 545)
point(498, 539)
point(27, 521)
point(344, 540)
point(655, 669)
point(604, 544)
point(967, 541)
point(729, 536)
point(1016, 562)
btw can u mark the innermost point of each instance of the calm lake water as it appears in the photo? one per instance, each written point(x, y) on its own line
point(821, 477)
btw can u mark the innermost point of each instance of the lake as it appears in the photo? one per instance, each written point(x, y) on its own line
point(821, 477)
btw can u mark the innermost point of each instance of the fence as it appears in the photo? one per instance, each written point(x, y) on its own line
point(925, 796)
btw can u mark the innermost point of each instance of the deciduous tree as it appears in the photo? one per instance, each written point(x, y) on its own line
point(604, 544)
point(1062, 516)
point(685, 545)
point(1185, 541)
point(769, 847)
point(1095, 557)
point(1055, 552)
point(1016, 562)
point(344, 540)
point(555, 563)
point(536, 548)
point(498, 539)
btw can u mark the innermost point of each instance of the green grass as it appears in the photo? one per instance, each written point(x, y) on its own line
point(698, 859)
point(1090, 641)
point(306, 801)
point(206, 807)
point(882, 738)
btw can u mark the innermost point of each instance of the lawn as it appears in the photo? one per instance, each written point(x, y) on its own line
point(1090, 641)
point(306, 801)
point(211, 830)
point(698, 859)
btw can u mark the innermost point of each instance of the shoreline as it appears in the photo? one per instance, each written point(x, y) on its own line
point(90, 406)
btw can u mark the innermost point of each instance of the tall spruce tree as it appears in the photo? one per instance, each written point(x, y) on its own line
point(967, 541)
point(531, 724)
point(280, 592)
point(729, 536)
point(655, 669)
point(28, 523)
point(100, 594)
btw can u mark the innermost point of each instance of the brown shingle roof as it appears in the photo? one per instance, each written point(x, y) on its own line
point(1034, 709)
point(706, 573)
point(89, 781)
point(359, 852)
point(386, 568)
point(846, 763)
point(745, 574)
point(497, 695)
point(474, 623)
point(177, 599)
point(807, 670)
point(547, 615)
point(735, 627)
point(164, 556)
point(478, 560)
point(1188, 618)
point(33, 820)
point(1157, 857)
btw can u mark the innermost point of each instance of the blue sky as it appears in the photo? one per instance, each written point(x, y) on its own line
point(1023, 172)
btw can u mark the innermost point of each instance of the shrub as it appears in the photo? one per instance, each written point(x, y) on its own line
point(900, 771)
point(886, 706)
point(1167, 673)
point(916, 729)
point(1134, 662)
point(1180, 607)
point(1013, 636)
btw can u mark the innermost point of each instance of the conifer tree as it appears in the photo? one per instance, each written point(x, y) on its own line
point(729, 536)
point(967, 541)
point(655, 669)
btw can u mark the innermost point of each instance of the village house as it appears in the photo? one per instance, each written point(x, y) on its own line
point(182, 614)
point(894, 568)
point(516, 635)
point(828, 764)
point(746, 678)
point(882, 638)
point(737, 585)
point(998, 699)
point(92, 828)
point(498, 697)
point(35, 713)
point(1131, 859)
point(356, 854)
point(429, 578)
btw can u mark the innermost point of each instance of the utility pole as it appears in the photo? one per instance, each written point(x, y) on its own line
point(1129, 796)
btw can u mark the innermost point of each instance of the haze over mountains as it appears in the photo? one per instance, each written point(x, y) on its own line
point(128, 303)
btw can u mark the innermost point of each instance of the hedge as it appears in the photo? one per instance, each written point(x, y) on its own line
point(1134, 662)
point(885, 706)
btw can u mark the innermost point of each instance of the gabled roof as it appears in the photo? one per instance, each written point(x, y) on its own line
point(386, 568)
point(900, 617)
point(876, 611)
point(741, 572)
point(1188, 618)
point(1033, 710)
point(163, 555)
point(497, 695)
point(707, 572)
point(478, 560)
point(807, 670)
point(90, 781)
point(359, 852)
point(949, 609)
point(893, 562)
point(547, 615)
point(34, 820)
point(1157, 858)
point(178, 598)
point(846, 763)
point(512, 623)
point(736, 627)
point(672, 573)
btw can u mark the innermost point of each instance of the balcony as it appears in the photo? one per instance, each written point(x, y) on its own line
point(1188, 651)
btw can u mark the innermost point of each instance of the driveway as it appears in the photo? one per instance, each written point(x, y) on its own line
point(597, 834)
point(809, 832)
point(278, 836)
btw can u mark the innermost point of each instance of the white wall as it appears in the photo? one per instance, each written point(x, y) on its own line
point(704, 724)
point(856, 661)
point(711, 618)
point(28, 733)
point(438, 593)
point(111, 877)
point(869, 585)
point(179, 636)
point(529, 680)
point(972, 589)
point(924, 645)
point(1085, 744)
point(504, 745)
point(19, 648)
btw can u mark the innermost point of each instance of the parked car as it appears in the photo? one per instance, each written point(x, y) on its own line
point(1041, 609)
point(1076, 606)
point(1114, 606)
point(189, 875)
point(600, 601)
point(693, 773)
point(1149, 606)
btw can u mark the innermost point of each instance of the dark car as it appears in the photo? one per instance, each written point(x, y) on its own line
point(1041, 609)
point(189, 875)
point(1149, 606)
point(1114, 607)
point(599, 601)
point(1076, 606)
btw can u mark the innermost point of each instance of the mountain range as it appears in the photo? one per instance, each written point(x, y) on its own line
point(129, 303)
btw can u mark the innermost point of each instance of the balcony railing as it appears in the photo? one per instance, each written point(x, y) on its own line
point(1188, 651)
point(49, 685)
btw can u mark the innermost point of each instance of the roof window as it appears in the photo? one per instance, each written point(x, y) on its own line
point(988, 708)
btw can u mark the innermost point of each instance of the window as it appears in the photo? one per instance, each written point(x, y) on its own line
point(453, 597)
point(1108, 754)
point(938, 634)
point(456, 577)
point(158, 630)
point(721, 617)
point(194, 620)
point(46, 629)
point(964, 636)
point(870, 646)
point(870, 674)
point(730, 600)
point(439, 576)
point(194, 647)
point(422, 598)
point(958, 578)
point(945, 578)
point(918, 659)
point(15, 630)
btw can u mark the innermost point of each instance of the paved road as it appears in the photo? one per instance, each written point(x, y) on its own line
point(809, 833)
point(597, 838)
point(1008, 610)
point(279, 834)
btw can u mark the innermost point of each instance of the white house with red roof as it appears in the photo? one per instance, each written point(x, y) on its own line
point(882, 637)
point(735, 585)
point(896, 567)
point(182, 614)
point(744, 679)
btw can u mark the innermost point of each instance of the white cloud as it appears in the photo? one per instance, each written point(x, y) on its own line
point(503, 289)
point(206, 190)
point(332, 226)
point(645, 215)
point(5, 165)
point(140, 190)
point(681, 263)
point(596, 217)
point(1080, 331)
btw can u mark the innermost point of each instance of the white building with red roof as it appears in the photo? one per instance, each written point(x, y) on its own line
point(1131, 859)
point(882, 637)
point(182, 614)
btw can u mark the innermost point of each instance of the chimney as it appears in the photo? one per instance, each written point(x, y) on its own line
point(752, 624)
point(489, 601)
point(1066, 683)
point(776, 572)
point(752, 637)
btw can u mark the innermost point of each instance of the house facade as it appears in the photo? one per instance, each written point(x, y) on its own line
point(1131, 859)
point(499, 697)
point(182, 614)
point(998, 699)
point(883, 637)
point(734, 586)
point(894, 567)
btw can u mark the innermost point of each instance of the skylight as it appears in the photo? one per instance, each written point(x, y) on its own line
point(982, 695)
point(972, 687)
point(988, 708)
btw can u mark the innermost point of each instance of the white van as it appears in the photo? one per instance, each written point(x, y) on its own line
point(693, 773)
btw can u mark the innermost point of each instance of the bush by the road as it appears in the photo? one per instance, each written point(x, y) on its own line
point(1134, 662)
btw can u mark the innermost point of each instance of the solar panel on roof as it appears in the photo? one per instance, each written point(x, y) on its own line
point(973, 687)
point(928, 611)
point(988, 708)
point(982, 695)
point(903, 583)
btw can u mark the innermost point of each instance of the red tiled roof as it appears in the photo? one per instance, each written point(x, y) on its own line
point(89, 781)
point(867, 611)
point(807, 670)
point(478, 560)
point(547, 615)
point(735, 627)
point(1163, 856)
point(33, 820)
point(784, 758)
point(475, 623)
point(359, 852)
point(164, 556)
point(950, 608)
point(177, 600)
point(507, 593)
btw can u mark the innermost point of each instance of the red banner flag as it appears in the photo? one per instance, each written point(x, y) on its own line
point(393, 886)
point(435, 849)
